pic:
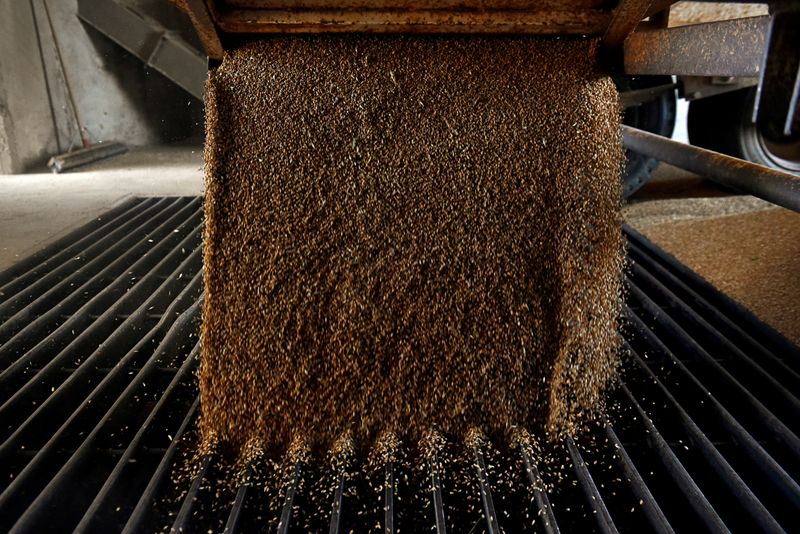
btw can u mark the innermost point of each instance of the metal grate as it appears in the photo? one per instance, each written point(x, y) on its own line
point(98, 348)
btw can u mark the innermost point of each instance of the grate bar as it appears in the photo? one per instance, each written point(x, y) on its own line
point(539, 494)
point(116, 249)
point(100, 505)
point(46, 415)
point(148, 254)
point(77, 414)
point(153, 292)
point(489, 511)
point(143, 507)
point(722, 323)
point(45, 457)
point(764, 416)
point(436, 489)
point(388, 498)
point(38, 384)
point(750, 367)
point(652, 511)
point(766, 335)
point(694, 496)
point(235, 515)
point(723, 469)
point(596, 502)
point(336, 511)
point(40, 263)
point(288, 503)
point(51, 493)
point(775, 473)
point(184, 516)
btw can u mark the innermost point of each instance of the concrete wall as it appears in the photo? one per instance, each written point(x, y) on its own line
point(115, 96)
point(24, 109)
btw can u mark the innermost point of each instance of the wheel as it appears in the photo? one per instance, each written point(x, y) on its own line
point(724, 123)
point(656, 116)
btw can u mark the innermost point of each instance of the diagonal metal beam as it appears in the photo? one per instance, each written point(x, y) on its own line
point(626, 16)
point(147, 39)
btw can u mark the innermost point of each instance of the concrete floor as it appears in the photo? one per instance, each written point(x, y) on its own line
point(36, 209)
point(674, 195)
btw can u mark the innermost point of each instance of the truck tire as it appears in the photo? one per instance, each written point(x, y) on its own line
point(724, 123)
point(656, 116)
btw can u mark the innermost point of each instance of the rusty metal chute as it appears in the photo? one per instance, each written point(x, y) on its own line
point(215, 19)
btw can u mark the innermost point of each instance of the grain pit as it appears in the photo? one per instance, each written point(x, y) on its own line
point(405, 234)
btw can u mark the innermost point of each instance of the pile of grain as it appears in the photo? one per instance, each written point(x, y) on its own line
point(751, 257)
point(406, 233)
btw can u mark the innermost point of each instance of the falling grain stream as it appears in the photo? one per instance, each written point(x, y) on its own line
point(406, 234)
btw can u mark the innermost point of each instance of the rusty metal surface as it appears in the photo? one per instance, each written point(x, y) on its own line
point(586, 21)
point(726, 48)
point(417, 4)
point(412, 16)
point(198, 11)
point(626, 16)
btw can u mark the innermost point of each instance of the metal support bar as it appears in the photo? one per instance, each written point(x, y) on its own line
point(725, 48)
point(697, 87)
point(419, 20)
point(657, 6)
point(179, 62)
point(781, 188)
point(198, 11)
point(625, 18)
